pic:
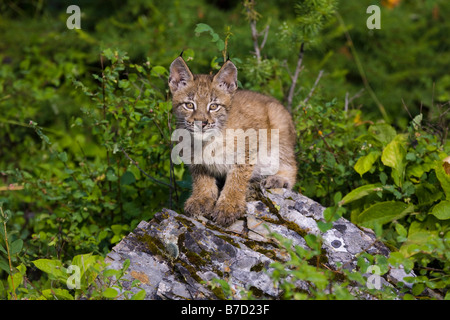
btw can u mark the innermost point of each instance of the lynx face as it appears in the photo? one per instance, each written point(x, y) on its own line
point(201, 102)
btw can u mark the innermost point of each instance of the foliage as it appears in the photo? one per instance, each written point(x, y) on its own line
point(85, 127)
point(406, 189)
point(307, 265)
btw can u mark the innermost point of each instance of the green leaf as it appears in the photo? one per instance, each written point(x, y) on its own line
point(394, 156)
point(220, 44)
point(382, 263)
point(203, 27)
point(4, 265)
point(111, 272)
point(127, 178)
point(159, 71)
point(398, 258)
point(111, 176)
point(16, 246)
point(418, 288)
point(126, 264)
point(188, 54)
point(110, 293)
point(401, 230)
point(52, 267)
point(17, 278)
point(360, 192)
point(442, 210)
point(427, 193)
point(366, 162)
point(86, 263)
point(62, 156)
point(324, 226)
point(108, 53)
point(382, 132)
point(444, 179)
point(139, 296)
point(417, 121)
point(57, 294)
point(384, 212)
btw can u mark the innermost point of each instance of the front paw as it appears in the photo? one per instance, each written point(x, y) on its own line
point(275, 181)
point(199, 206)
point(225, 213)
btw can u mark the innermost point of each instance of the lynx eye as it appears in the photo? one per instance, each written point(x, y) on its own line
point(214, 107)
point(189, 106)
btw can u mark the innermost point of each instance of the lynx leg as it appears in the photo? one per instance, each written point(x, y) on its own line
point(204, 195)
point(231, 204)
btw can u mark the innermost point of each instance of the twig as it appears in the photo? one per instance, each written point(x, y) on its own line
point(255, 39)
point(172, 169)
point(313, 87)
point(252, 16)
point(9, 255)
point(266, 33)
point(145, 173)
point(295, 78)
point(104, 112)
point(348, 101)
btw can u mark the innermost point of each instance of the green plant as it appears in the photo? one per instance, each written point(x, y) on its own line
point(326, 149)
point(86, 277)
point(405, 198)
point(95, 196)
point(10, 253)
point(307, 265)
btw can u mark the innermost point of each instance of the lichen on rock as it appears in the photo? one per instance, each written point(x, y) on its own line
point(179, 256)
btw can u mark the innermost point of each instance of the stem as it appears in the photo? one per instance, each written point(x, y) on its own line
point(255, 40)
point(145, 173)
point(295, 77)
point(313, 88)
point(119, 191)
point(104, 113)
point(9, 256)
point(252, 16)
point(172, 170)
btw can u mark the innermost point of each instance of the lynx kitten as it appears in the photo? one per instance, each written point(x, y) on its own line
point(211, 105)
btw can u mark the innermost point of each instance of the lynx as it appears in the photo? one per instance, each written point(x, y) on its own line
point(213, 104)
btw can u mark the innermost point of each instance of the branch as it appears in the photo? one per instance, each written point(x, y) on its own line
point(313, 88)
point(348, 101)
point(266, 33)
point(255, 39)
point(253, 16)
point(295, 77)
point(145, 173)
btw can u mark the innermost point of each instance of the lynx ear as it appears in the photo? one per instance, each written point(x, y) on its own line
point(180, 75)
point(226, 78)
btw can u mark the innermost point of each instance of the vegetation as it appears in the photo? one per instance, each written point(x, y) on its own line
point(85, 125)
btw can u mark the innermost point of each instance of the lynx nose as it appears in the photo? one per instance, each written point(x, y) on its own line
point(200, 124)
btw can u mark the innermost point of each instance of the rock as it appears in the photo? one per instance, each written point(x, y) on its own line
point(176, 257)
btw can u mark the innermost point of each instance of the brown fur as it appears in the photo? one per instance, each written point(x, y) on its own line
point(239, 109)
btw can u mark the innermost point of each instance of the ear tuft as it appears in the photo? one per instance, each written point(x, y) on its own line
point(180, 75)
point(226, 78)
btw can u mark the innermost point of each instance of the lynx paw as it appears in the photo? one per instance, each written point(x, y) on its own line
point(275, 181)
point(226, 213)
point(197, 206)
